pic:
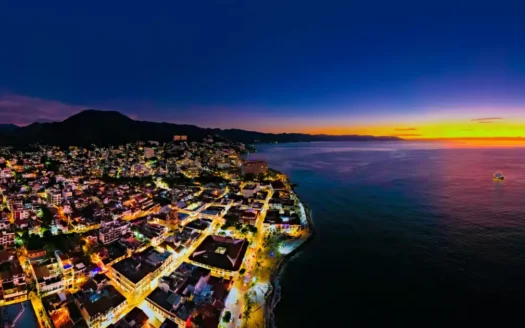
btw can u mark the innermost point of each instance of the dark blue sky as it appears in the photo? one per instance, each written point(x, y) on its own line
point(267, 65)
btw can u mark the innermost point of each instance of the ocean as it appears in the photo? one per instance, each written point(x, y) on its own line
point(407, 233)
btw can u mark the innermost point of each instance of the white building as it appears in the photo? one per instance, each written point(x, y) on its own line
point(111, 232)
point(67, 194)
point(54, 196)
point(7, 239)
point(6, 173)
point(48, 277)
point(4, 224)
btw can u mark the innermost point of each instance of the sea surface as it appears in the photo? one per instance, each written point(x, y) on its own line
point(407, 234)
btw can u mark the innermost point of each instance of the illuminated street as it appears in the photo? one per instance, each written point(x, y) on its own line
point(96, 248)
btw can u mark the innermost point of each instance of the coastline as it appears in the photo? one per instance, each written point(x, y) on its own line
point(274, 293)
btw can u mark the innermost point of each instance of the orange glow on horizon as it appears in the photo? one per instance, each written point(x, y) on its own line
point(480, 142)
point(484, 132)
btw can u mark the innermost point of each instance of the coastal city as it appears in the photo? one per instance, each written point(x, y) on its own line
point(145, 234)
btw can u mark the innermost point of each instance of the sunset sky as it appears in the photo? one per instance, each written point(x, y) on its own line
point(446, 70)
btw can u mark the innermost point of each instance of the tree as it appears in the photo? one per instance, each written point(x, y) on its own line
point(25, 236)
point(47, 216)
point(48, 234)
point(248, 305)
point(227, 316)
point(249, 177)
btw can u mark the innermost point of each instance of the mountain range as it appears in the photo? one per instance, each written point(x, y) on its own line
point(111, 127)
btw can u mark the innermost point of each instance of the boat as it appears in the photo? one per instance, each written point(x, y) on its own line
point(499, 176)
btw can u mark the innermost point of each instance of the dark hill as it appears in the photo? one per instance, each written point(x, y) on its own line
point(8, 127)
point(109, 127)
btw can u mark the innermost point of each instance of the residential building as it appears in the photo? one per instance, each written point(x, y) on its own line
point(136, 318)
point(99, 304)
point(250, 190)
point(110, 232)
point(4, 224)
point(134, 274)
point(48, 276)
point(68, 271)
point(7, 238)
point(254, 167)
point(12, 278)
point(35, 255)
point(54, 196)
point(188, 291)
point(250, 217)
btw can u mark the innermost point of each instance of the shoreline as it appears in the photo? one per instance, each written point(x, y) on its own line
point(274, 294)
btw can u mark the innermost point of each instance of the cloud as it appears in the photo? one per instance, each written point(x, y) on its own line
point(486, 119)
point(23, 110)
point(407, 135)
point(406, 129)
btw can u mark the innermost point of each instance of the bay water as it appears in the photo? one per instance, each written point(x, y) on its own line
point(407, 233)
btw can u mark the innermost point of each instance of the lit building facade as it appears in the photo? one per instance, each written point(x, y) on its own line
point(135, 274)
point(111, 232)
point(254, 167)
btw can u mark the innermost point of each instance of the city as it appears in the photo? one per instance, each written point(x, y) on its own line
point(179, 234)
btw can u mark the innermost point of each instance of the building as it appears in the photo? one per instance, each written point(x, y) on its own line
point(6, 173)
point(68, 271)
point(254, 167)
point(99, 303)
point(135, 274)
point(154, 232)
point(35, 255)
point(186, 292)
point(221, 253)
point(62, 311)
point(5, 224)
point(54, 196)
point(12, 278)
point(136, 318)
point(67, 194)
point(278, 185)
point(250, 190)
point(7, 238)
point(110, 232)
point(169, 219)
point(149, 152)
point(48, 276)
point(180, 138)
point(283, 222)
point(249, 217)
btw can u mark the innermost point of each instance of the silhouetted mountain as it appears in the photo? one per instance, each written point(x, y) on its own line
point(8, 127)
point(110, 127)
point(43, 120)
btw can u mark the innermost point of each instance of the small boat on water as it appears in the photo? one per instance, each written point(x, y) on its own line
point(498, 176)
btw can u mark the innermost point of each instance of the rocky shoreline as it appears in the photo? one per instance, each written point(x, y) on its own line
point(274, 293)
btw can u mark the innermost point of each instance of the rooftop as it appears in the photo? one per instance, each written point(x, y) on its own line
point(221, 252)
point(190, 282)
point(98, 301)
point(139, 266)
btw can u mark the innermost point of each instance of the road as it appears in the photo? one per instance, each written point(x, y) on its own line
point(235, 300)
point(133, 301)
